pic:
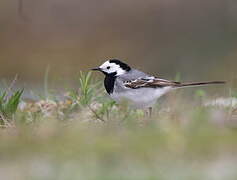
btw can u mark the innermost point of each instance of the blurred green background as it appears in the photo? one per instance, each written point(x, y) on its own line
point(195, 37)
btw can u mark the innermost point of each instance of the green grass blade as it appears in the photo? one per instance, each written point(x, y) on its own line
point(13, 102)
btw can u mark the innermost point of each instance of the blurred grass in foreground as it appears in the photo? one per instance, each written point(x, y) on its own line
point(87, 136)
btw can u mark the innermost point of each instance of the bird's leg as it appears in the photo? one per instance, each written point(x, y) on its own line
point(147, 116)
point(149, 112)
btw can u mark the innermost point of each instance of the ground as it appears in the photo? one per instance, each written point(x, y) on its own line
point(85, 135)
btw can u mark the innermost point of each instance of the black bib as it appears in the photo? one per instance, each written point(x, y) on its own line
point(109, 82)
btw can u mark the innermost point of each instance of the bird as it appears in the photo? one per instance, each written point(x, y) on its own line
point(140, 89)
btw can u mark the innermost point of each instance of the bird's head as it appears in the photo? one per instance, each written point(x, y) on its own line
point(113, 67)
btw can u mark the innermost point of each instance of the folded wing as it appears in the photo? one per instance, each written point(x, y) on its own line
point(152, 82)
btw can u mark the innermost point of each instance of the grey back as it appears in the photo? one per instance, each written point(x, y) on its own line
point(131, 75)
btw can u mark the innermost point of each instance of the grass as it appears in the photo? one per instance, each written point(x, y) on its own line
point(8, 106)
point(85, 135)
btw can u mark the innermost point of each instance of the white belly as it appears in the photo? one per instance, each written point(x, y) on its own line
point(142, 97)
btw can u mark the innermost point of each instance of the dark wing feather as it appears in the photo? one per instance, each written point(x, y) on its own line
point(152, 82)
point(149, 82)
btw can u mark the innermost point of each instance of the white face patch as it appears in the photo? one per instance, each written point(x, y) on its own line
point(110, 68)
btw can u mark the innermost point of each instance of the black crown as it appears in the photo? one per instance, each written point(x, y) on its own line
point(123, 65)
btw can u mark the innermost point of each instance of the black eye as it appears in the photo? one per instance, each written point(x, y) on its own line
point(108, 67)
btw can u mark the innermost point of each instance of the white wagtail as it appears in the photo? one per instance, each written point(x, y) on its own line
point(140, 89)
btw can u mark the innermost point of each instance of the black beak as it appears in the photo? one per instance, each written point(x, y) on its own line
point(96, 69)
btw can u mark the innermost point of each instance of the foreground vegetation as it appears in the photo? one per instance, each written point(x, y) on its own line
point(85, 135)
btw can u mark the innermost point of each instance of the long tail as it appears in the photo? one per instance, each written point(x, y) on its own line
point(199, 83)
